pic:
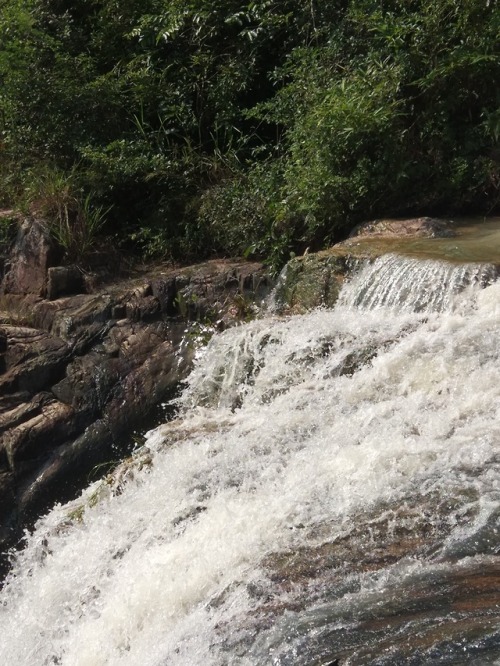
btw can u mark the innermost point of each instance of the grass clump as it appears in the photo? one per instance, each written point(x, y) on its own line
point(74, 222)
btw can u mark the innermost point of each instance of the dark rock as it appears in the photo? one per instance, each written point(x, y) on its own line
point(142, 308)
point(56, 476)
point(33, 254)
point(165, 290)
point(3, 341)
point(7, 502)
point(30, 440)
point(119, 311)
point(8, 402)
point(23, 411)
point(64, 280)
point(88, 382)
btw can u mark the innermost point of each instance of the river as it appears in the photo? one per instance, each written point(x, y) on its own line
point(328, 494)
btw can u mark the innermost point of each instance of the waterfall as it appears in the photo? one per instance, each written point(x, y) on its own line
point(415, 284)
point(329, 494)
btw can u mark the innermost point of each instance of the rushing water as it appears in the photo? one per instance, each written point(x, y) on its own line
point(328, 495)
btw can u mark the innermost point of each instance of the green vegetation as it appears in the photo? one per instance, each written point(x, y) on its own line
point(197, 127)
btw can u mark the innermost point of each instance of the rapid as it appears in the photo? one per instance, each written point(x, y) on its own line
point(329, 493)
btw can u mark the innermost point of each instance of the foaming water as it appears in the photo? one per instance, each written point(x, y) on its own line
point(414, 284)
point(330, 494)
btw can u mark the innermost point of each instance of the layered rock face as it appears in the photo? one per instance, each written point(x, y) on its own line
point(79, 372)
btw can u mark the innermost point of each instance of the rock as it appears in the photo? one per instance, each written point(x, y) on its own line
point(27, 443)
point(3, 341)
point(419, 227)
point(79, 372)
point(60, 473)
point(315, 279)
point(165, 291)
point(33, 360)
point(310, 281)
point(64, 280)
point(88, 383)
point(7, 501)
point(142, 308)
point(33, 254)
point(11, 418)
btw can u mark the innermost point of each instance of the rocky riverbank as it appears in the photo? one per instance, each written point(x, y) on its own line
point(86, 355)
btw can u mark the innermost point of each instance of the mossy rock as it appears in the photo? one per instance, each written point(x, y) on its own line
point(310, 281)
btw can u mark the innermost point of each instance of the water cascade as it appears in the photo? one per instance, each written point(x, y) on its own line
point(329, 494)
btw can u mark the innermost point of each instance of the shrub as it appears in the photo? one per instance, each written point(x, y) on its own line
point(72, 218)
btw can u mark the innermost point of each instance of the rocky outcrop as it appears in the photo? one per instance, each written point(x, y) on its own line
point(78, 373)
point(415, 227)
point(33, 254)
point(314, 280)
point(309, 282)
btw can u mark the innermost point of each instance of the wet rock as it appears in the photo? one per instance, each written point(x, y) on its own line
point(3, 341)
point(7, 501)
point(33, 254)
point(79, 372)
point(60, 471)
point(314, 280)
point(310, 281)
point(429, 608)
point(88, 383)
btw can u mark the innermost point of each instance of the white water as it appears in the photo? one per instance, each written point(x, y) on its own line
point(291, 431)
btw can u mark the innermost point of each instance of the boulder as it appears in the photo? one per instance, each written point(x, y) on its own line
point(309, 282)
point(33, 254)
point(416, 227)
point(64, 280)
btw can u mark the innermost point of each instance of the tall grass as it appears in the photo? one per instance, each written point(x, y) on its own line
point(73, 220)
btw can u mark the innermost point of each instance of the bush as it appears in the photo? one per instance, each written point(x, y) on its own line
point(262, 127)
point(73, 219)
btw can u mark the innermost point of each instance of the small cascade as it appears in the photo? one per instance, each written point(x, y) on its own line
point(395, 281)
point(329, 494)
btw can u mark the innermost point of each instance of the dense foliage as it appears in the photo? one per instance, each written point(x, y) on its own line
point(260, 127)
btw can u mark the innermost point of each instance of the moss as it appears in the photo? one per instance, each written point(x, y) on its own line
point(310, 281)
